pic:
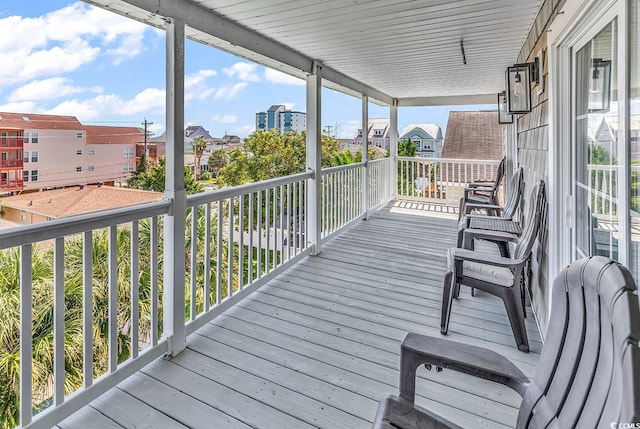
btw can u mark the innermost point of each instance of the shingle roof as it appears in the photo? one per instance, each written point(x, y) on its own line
point(431, 129)
point(35, 122)
point(74, 201)
point(97, 134)
point(473, 135)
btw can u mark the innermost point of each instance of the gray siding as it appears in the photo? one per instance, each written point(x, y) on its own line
point(533, 154)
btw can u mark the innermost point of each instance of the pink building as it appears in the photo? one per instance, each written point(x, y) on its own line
point(60, 151)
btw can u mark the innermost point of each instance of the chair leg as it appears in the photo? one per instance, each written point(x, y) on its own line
point(513, 304)
point(447, 299)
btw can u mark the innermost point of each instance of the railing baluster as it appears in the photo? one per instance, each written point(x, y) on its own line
point(154, 280)
point(113, 298)
point(207, 256)
point(274, 254)
point(281, 225)
point(135, 289)
point(58, 321)
point(267, 227)
point(250, 231)
point(26, 325)
point(240, 241)
point(288, 229)
point(259, 230)
point(230, 249)
point(87, 309)
point(194, 263)
point(219, 244)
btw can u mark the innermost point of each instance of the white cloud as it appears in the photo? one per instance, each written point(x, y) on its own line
point(229, 92)
point(47, 89)
point(225, 119)
point(275, 76)
point(150, 100)
point(289, 106)
point(244, 130)
point(349, 129)
point(195, 84)
point(64, 40)
point(245, 71)
point(19, 107)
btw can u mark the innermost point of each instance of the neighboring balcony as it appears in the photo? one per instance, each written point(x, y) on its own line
point(11, 185)
point(272, 335)
point(11, 163)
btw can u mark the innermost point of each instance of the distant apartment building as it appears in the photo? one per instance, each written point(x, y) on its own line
point(281, 119)
point(59, 151)
point(427, 138)
point(377, 133)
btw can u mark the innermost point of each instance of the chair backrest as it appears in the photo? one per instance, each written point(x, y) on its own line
point(589, 373)
point(532, 223)
point(517, 186)
point(499, 175)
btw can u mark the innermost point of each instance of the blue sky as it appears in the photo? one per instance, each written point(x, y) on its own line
point(69, 58)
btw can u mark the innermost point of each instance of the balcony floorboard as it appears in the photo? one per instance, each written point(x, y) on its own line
point(318, 346)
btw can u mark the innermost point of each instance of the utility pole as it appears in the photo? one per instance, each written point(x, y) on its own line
point(146, 152)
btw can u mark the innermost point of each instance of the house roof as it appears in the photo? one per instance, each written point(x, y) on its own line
point(378, 124)
point(473, 135)
point(97, 134)
point(58, 203)
point(432, 130)
point(37, 121)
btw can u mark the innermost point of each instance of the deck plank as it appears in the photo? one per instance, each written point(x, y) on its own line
point(319, 345)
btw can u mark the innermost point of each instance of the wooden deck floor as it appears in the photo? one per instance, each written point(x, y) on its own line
point(319, 345)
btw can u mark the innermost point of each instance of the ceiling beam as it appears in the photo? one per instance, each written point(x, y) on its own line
point(451, 100)
point(238, 40)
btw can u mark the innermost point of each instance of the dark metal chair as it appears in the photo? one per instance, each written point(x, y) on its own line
point(588, 375)
point(498, 275)
point(483, 192)
point(494, 213)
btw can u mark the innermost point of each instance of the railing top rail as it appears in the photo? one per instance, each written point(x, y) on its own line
point(19, 236)
point(380, 160)
point(234, 191)
point(451, 160)
point(330, 170)
point(457, 160)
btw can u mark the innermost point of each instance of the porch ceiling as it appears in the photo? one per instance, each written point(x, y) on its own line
point(409, 50)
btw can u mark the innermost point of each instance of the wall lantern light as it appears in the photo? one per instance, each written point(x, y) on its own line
point(600, 85)
point(518, 93)
point(504, 117)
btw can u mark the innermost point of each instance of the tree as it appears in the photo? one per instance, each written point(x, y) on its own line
point(153, 180)
point(272, 154)
point(219, 158)
point(199, 145)
point(406, 148)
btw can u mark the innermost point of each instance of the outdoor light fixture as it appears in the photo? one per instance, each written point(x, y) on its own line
point(504, 117)
point(600, 85)
point(518, 92)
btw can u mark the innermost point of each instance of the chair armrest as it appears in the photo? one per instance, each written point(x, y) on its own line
point(456, 254)
point(486, 184)
point(479, 206)
point(395, 412)
point(477, 361)
point(471, 234)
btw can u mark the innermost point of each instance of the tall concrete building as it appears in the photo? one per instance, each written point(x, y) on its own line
point(281, 119)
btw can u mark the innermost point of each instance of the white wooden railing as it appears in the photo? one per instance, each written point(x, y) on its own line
point(341, 198)
point(441, 180)
point(602, 183)
point(113, 265)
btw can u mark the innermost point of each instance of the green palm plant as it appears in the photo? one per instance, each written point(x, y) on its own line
point(199, 145)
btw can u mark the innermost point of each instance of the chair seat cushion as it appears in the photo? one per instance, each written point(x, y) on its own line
point(488, 273)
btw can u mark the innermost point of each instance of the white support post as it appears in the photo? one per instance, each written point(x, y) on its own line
point(365, 156)
point(314, 157)
point(175, 221)
point(393, 148)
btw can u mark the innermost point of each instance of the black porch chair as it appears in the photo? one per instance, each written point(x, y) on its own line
point(588, 375)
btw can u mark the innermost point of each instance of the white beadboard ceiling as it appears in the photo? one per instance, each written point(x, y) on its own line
point(388, 49)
